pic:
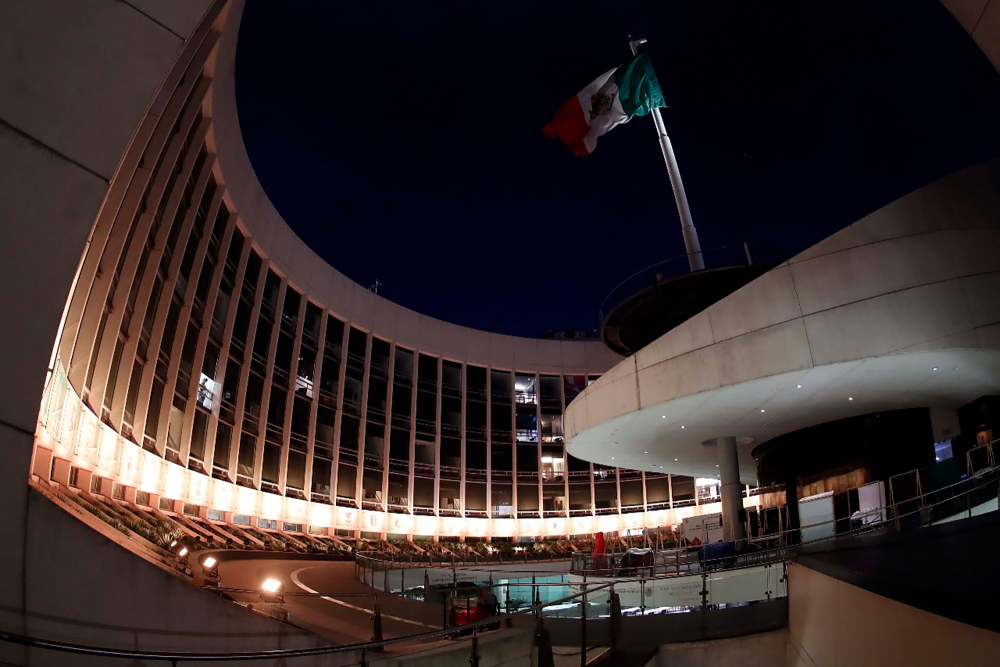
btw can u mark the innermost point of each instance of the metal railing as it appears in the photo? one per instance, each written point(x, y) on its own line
point(723, 256)
point(984, 481)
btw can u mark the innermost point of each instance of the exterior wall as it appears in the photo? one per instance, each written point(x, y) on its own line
point(832, 623)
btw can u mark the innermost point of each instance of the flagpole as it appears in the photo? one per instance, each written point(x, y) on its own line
point(691, 243)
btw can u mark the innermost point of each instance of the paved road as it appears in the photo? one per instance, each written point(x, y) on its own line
point(342, 612)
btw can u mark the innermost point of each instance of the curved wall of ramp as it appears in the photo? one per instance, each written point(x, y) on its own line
point(898, 310)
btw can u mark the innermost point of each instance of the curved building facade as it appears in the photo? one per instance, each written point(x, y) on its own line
point(209, 361)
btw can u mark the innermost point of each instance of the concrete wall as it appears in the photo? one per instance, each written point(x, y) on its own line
point(834, 624)
point(981, 19)
point(81, 587)
point(766, 649)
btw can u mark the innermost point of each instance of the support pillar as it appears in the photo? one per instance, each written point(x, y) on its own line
point(732, 500)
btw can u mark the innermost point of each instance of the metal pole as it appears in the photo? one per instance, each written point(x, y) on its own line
point(583, 629)
point(691, 243)
point(474, 660)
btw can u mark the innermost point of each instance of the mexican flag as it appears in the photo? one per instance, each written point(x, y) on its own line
point(611, 99)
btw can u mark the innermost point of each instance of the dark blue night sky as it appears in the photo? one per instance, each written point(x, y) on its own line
point(402, 141)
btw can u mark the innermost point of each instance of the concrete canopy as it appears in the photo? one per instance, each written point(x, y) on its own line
point(854, 325)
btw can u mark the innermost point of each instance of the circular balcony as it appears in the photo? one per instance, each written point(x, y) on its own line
point(658, 298)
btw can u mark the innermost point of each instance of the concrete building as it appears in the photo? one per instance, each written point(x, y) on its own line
point(170, 340)
point(209, 359)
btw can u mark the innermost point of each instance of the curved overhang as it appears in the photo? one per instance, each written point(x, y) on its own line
point(898, 310)
point(312, 275)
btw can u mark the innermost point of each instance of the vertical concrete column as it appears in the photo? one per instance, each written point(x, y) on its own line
point(729, 469)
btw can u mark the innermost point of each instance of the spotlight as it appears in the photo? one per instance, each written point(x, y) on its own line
point(934, 369)
point(663, 416)
point(682, 425)
point(762, 409)
point(850, 398)
point(209, 563)
point(173, 544)
point(183, 552)
point(675, 459)
point(798, 386)
point(271, 585)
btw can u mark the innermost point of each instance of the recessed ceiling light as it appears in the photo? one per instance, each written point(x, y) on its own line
point(850, 398)
point(682, 425)
point(612, 458)
point(762, 409)
point(716, 465)
point(675, 459)
point(645, 452)
point(663, 416)
point(934, 369)
point(955, 368)
point(798, 386)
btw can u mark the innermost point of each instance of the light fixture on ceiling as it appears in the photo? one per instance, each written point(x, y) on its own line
point(762, 409)
point(682, 425)
point(850, 398)
point(645, 452)
point(675, 459)
point(612, 458)
point(798, 386)
point(663, 416)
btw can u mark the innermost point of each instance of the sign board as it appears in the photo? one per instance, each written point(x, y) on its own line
point(816, 517)
point(871, 503)
point(703, 529)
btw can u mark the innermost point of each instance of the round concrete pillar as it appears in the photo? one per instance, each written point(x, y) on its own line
point(732, 499)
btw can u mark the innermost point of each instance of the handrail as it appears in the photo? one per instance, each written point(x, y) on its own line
point(82, 649)
point(774, 553)
point(605, 308)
